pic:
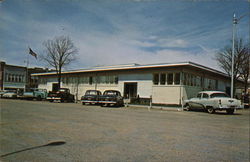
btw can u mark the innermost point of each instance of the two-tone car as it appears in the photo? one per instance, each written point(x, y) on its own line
point(91, 97)
point(34, 93)
point(111, 98)
point(212, 101)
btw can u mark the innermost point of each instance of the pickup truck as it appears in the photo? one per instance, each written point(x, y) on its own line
point(34, 93)
point(212, 101)
point(63, 94)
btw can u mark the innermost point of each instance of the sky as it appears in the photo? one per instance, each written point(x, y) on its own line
point(111, 32)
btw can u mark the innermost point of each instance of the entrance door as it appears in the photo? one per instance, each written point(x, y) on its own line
point(55, 87)
point(130, 90)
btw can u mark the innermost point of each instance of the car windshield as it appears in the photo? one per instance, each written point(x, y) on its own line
point(218, 95)
point(91, 93)
point(111, 93)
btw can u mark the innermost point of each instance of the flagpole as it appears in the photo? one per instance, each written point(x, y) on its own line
point(27, 74)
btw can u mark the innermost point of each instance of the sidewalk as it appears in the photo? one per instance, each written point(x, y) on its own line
point(166, 108)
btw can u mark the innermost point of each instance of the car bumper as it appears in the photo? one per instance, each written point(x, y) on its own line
point(226, 107)
point(89, 101)
point(108, 102)
point(53, 98)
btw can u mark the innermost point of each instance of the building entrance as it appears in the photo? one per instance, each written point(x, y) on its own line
point(130, 90)
point(55, 87)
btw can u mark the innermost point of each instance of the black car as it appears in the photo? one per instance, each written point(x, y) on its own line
point(111, 98)
point(63, 94)
point(91, 97)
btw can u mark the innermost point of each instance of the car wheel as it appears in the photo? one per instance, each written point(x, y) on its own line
point(210, 110)
point(187, 108)
point(83, 103)
point(230, 111)
point(39, 98)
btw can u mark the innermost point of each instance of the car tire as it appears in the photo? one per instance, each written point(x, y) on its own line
point(210, 110)
point(230, 111)
point(187, 108)
point(83, 103)
point(39, 98)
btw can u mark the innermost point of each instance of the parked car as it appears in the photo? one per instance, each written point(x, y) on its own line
point(212, 101)
point(63, 94)
point(2, 92)
point(9, 94)
point(34, 93)
point(111, 97)
point(91, 97)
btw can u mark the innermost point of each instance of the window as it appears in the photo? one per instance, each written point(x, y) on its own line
point(185, 79)
point(107, 79)
point(116, 79)
point(90, 80)
point(102, 79)
point(199, 95)
point(198, 81)
point(170, 78)
point(205, 95)
point(214, 95)
point(163, 79)
point(112, 79)
point(177, 78)
point(156, 79)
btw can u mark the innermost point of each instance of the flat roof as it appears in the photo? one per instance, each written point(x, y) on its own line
point(134, 67)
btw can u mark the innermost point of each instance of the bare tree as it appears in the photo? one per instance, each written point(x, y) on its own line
point(245, 69)
point(60, 52)
point(241, 61)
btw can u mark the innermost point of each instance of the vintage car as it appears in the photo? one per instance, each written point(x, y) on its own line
point(34, 93)
point(91, 97)
point(212, 101)
point(63, 94)
point(111, 98)
point(9, 94)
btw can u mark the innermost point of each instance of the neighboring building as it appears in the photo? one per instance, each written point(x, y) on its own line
point(165, 83)
point(14, 77)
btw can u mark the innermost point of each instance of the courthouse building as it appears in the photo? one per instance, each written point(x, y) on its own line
point(168, 83)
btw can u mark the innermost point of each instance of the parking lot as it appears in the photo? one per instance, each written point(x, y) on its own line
point(93, 133)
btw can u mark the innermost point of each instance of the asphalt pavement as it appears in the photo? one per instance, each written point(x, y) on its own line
point(43, 131)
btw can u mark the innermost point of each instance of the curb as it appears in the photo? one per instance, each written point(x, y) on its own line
point(156, 107)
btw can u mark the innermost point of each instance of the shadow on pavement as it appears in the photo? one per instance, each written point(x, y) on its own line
point(57, 143)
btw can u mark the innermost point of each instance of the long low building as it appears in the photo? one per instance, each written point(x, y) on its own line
point(167, 83)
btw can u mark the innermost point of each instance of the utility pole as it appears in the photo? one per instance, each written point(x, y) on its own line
point(233, 48)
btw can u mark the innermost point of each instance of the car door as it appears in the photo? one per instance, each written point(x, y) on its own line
point(204, 100)
point(195, 102)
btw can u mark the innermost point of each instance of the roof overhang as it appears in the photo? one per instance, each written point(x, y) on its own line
point(134, 67)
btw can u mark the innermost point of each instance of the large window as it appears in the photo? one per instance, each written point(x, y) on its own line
point(156, 79)
point(177, 78)
point(163, 79)
point(90, 80)
point(170, 78)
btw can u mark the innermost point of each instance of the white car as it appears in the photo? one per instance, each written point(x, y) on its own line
point(212, 101)
point(9, 94)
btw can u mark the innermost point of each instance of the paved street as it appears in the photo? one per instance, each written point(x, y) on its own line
point(93, 133)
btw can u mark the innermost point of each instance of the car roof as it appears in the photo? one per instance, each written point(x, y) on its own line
point(111, 90)
point(211, 92)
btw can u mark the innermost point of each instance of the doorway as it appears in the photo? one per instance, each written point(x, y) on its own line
point(55, 87)
point(130, 90)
